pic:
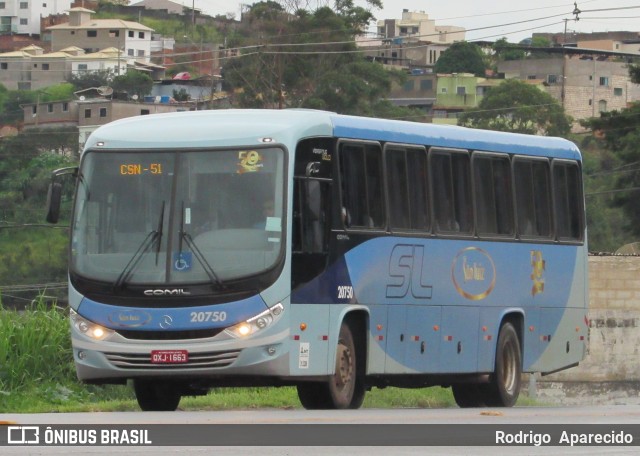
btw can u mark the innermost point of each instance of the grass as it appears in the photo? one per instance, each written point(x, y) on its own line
point(37, 376)
point(75, 397)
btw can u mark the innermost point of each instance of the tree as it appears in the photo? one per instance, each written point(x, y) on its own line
point(90, 79)
point(507, 51)
point(11, 111)
point(181, 95)
point(539, 42)
point(461, 57)
point(518, 107)
point(133, 83)
point(621, 133)
point(276, 74)
point(62, 91)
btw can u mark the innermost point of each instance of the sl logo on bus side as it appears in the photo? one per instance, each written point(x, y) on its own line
point(406, 268)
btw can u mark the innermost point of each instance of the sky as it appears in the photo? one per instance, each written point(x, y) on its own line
point(476, 14)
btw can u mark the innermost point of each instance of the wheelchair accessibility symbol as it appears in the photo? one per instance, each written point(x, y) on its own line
point(182, 261)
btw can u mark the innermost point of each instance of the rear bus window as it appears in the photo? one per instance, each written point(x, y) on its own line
point(568, 200)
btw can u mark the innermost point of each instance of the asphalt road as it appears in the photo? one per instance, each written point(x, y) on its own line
point(385, 432)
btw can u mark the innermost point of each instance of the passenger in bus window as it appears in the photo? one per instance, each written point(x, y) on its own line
point(267, 211)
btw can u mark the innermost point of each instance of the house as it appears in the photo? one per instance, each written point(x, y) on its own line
point(585, 83)
point(23, 16)
point(109, 59)
point(413, 41)
point(418, 91)
point(15, 68)
point(166, 5)
point(89, 114)
point(132, 38)
point(620, 41)
point(456, 93)
point(30, 68)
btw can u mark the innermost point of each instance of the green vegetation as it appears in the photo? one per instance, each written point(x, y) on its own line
point(518, 107)
point(461, 57)
point(32, 252)
point(340, 79)
point(618, 168)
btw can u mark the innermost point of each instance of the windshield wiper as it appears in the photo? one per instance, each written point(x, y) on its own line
point(213, 277)
point(159, 231)
point(146, 245)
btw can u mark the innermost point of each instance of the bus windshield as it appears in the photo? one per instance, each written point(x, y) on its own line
point(178, 217)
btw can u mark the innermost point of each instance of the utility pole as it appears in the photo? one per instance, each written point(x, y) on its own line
point(576, 12)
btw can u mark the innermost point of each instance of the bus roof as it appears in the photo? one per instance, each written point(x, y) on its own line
point(452, 137)
point(246, 127)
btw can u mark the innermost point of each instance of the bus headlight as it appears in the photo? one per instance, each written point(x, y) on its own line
point(88, 328)
point(254, 324)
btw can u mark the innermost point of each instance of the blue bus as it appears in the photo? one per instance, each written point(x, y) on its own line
point(333, 253)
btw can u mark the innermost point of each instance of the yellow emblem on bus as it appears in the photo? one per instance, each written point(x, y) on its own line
point(250, 161)
point(538, 265)
point(473, 273)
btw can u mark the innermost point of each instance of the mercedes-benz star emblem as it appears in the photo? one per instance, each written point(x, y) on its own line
point(166, 321)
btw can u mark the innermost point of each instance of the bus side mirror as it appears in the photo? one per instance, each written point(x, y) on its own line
point(54, 195)
point(54, 198)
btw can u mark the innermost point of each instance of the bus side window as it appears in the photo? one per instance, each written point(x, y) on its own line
point(533, 197)
point(362, 185)
point(494, 204)
point(407, 187)
point(451, 180)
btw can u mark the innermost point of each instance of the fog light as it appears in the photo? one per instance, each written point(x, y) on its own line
point(82, 355)
point(271, 350)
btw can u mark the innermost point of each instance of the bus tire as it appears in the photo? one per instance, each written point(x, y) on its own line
point(468, 395)
point(156, 396)
point(345, 389)
point(503, 388)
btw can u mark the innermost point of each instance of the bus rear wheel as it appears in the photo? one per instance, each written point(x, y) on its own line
point(156, 396)
point(468, 394)
point(345, 388)
point(503, 388)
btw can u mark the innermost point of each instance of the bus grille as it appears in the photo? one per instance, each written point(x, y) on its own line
point(205, 360)
point(170, 335)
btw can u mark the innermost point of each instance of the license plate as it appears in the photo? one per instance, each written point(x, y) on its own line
point(169, 356)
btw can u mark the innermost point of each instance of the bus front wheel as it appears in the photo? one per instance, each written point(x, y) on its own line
point(156, 396)
point(345, 389)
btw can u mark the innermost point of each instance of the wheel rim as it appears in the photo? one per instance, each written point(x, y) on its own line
point(344, 368)
point(509, 369)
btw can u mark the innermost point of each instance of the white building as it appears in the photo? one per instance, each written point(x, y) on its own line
point(413, 41)
point(417, 25)
point(132, 38)
point(23, 16)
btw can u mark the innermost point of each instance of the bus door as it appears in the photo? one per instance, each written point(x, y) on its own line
point(311, 221)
